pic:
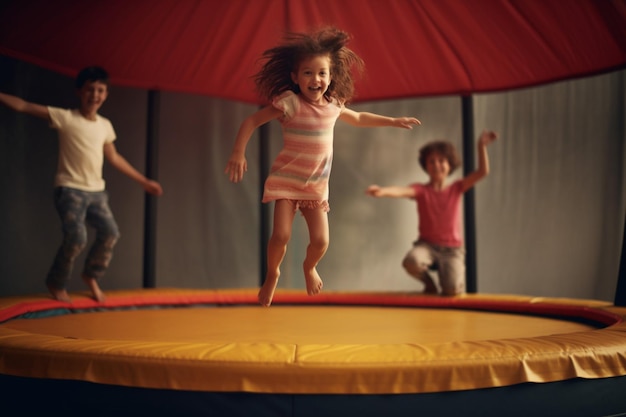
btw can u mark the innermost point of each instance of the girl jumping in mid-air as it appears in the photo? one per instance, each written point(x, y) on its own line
point(307, 79)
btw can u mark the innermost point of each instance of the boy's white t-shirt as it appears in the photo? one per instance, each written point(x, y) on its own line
point(81, 148)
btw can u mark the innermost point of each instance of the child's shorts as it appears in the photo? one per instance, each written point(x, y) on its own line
point(310, 204)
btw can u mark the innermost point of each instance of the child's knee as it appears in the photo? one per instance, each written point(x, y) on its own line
point(319, 244)
point(72, 249)
point(413, 266)
point(279, 239)
point(113, 235)
point(73, 243)
point(110, 239)
point(453, 288)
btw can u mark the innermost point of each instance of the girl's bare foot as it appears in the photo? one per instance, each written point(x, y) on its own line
point(314, 283)
point(266, 293)
point(59, 295)
point(96, 292)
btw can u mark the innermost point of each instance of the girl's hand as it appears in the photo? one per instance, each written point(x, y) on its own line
point(487, 137)
point(406, 122)
point(237, 165)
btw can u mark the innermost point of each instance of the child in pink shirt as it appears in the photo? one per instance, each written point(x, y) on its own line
point(439, 210)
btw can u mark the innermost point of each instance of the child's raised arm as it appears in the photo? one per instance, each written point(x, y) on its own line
point(23, 106)
point(393, 191)
point(237, 163)
point(365, 119)
point(486, 138)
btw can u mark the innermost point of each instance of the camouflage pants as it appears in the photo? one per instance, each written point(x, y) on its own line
point(77, 209)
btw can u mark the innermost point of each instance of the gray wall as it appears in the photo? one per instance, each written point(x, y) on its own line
point(550, 217)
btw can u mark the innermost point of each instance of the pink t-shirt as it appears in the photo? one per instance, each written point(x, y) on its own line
point(302, 168)
point(439, 214)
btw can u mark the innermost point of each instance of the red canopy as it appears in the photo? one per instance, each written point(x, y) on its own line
point(410, 47)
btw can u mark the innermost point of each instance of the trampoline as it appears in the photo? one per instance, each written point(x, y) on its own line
point(216, 352)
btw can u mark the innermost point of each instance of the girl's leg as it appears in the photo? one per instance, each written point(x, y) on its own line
point(317, 222)
point(71, 206)
point(284, 213)
point(100, 217)
point(417, 262)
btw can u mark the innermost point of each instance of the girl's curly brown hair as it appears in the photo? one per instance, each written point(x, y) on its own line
point(441, 147)
point(274, 78)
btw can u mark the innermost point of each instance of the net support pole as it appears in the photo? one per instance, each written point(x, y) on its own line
point(469, 204)
point(150, 206)
point(620, 291)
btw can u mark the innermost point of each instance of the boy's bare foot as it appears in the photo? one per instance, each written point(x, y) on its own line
point(266, 293)
point(314, 283)
point(96, 292)
point(429, 285)
point(430, 290)
point(59, 295)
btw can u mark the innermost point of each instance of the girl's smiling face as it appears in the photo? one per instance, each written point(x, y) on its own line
point(313, 78)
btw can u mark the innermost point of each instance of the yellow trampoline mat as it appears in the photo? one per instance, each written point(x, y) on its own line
point(297, 325)
point(343, 343)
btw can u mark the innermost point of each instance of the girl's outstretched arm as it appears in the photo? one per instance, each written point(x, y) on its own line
point(237, 163)
point(485, 139)
point(365, 119)
point(394, 191)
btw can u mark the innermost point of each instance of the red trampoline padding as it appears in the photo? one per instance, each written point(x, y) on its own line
point(333, 343)
point(17, 306)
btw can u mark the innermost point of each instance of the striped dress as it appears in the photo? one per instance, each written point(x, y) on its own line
point(302, 168)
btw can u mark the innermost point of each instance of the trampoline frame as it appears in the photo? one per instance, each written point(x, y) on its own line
point(590, 360)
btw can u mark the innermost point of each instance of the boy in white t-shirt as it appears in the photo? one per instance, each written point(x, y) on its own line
point(85, 139)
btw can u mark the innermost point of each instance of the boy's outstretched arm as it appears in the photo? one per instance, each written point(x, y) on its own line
point(121, 164)
point(237, 164)
point(365, 119)
point(23, 106)
point(394, 191)
point(486, 138)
